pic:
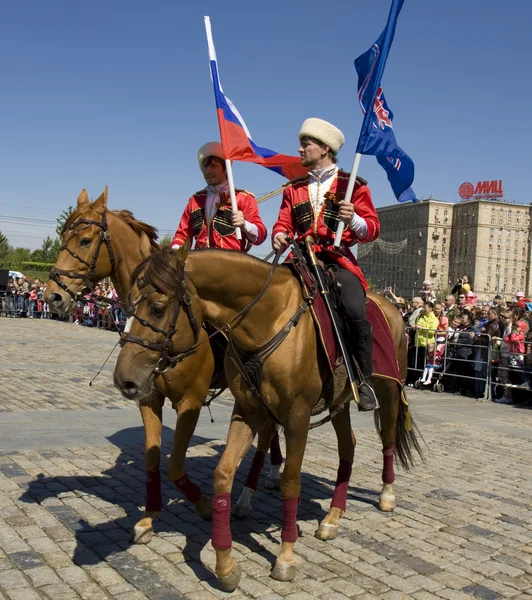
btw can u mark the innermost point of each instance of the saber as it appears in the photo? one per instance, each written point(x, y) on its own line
point(320, 278)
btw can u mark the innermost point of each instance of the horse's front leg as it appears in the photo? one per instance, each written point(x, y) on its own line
point(188, 410)
point(345, 436)
point(268, 438)
point(240, 437)
point(296, 432)
point(152, 417)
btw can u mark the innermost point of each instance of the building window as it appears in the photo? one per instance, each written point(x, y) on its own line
point(489, 269)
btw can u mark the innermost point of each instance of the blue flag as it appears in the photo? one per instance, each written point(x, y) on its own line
point(377, 137)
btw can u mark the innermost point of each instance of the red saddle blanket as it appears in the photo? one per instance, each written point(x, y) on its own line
point(384, 355)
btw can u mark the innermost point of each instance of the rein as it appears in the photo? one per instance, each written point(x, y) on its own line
point(88, 279)
point(165, 361)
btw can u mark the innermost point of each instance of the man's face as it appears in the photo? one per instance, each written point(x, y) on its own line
point(311, 152)
point(449, 301)
point(438, 309)
point(416, 304)
point(484, 313)
point(213, 172)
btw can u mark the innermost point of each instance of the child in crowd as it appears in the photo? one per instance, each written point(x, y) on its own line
point(434, 361)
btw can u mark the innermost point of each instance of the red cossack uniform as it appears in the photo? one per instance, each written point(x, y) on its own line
point(219, 233)
point(296, 216)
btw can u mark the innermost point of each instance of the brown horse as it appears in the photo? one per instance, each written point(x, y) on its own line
point(82, 263)
point(172, 289)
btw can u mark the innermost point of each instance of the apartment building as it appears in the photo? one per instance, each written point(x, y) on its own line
point(486, 239)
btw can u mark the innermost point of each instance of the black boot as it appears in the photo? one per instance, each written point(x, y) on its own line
point(363, 350)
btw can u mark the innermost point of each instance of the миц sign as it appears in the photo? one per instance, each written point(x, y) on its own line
point(483, 189)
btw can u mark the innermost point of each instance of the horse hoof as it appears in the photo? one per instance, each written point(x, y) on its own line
point(283, 571)
point(326, 532)
point(204, 509)
point(141, 535)
point(206, 514)
point(229, 582)
point(272, 484)
point(387, 503)
point(242, 511)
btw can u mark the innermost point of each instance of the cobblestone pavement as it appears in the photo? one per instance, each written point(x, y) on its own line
point(462, 529)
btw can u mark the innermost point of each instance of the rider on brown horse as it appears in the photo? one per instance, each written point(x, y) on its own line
point(208, 216)
point(313, 205)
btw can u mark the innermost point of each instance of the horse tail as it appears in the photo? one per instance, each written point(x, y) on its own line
point(407, 438)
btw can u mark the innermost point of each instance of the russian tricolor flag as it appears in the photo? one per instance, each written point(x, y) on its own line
point(236, 139)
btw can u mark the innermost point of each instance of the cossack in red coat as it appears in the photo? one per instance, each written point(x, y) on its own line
point(220, 233)
point(297, 217)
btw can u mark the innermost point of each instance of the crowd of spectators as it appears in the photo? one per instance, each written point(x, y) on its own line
point(24, 299)
point(466, 345)
point(462, 343)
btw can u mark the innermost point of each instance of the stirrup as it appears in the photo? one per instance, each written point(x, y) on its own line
point(367, 398)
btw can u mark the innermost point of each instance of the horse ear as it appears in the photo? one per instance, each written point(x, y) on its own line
point(145, 246)
point(83, 197)
point(101, 203)
point(185, 248)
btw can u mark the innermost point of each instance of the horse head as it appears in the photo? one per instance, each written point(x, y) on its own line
point(83, 260)
point(163, 326)
point(80, 264)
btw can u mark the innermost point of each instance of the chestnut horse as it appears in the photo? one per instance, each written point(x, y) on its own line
point(82, 262)
point(173, 289)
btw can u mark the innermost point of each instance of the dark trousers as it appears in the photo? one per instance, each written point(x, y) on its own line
point(352, 294)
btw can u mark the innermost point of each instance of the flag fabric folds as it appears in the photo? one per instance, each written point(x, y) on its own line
point(377, 137)
point(236, 140)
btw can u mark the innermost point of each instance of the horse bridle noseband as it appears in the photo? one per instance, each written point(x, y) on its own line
point(88, 279)
point(165, 361)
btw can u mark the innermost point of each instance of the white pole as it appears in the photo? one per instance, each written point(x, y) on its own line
point(232, 194)
point(348, 194)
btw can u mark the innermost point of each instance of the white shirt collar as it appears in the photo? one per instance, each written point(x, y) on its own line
point(323, 174)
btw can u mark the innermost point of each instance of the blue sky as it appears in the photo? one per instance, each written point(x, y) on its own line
point(119, 93)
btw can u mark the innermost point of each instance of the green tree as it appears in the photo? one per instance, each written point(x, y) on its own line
point(62, 218)
point(4, 245)
point(48, 251)
point(165, 241)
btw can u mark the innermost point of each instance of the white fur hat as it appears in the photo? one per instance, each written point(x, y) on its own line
point(210, 149)
point(324, 132)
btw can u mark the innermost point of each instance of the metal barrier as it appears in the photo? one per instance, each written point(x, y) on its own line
point(466, 360)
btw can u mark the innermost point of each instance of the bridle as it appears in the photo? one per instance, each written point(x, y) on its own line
point(88, 279)
point(165, 361)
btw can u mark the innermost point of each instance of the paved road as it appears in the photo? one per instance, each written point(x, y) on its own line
point(71, 484)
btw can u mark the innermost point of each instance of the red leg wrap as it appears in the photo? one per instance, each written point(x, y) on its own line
point(276, 456)
point(190, 490)
point(388, 476)
point(154, 499)
point(289, 531)
point(221, 522)
point(256, 467)
point(342, 484)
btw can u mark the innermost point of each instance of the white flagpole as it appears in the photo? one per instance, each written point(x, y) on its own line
point(348, 194)
point(232, 194)
point(228, 166)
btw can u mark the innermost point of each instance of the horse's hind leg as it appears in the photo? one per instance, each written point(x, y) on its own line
point(345, 436)
point(188, 412)
point(152, 417)
point(389, 398)
point(273, 479)
point(267, 434)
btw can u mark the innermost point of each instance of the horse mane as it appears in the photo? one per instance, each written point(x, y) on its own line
point(125, 215)
point(139, 227)
point(163, 270)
